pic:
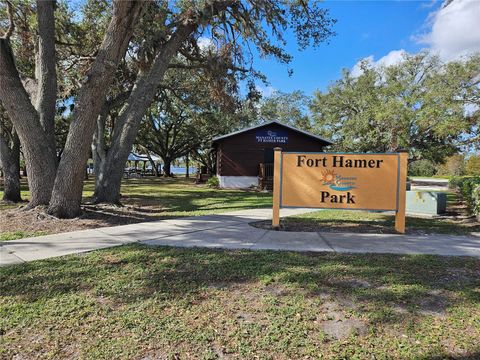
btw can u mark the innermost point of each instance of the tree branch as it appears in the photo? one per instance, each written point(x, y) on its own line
point(46, 72)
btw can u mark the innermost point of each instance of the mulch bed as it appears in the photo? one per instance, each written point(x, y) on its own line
point(93, 216)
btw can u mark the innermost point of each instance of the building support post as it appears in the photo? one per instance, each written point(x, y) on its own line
point(277, 163)
point(402, 192)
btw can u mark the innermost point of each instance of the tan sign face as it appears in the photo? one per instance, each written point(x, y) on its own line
point(340, 181)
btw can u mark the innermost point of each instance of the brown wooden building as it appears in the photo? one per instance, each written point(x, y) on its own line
point(245, 157)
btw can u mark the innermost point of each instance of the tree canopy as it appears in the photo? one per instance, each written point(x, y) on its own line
point(289, 108)
point(419, 104)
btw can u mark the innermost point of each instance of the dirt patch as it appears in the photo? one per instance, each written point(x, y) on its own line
point(338, 325)
point(93, 216)
point(219, 285)
point(460, 276)
point(276, 290)
point(434, 304)
point(245, 317)
point(352, 283)
point(343, 328)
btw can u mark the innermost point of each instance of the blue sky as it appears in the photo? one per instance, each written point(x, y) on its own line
point(380, 30)
point(364, 28)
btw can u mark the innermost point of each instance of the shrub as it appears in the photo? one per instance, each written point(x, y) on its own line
point(476, 202)
point(469, 188)
point(213, 182)
point(473, 165)
point(454, 181)
point(422, 168)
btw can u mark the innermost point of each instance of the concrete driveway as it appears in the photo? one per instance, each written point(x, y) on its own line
point(232, 231)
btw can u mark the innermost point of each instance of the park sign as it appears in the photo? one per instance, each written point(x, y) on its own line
point(354, 181)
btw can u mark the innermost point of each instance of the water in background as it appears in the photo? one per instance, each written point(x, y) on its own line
point(181, 170)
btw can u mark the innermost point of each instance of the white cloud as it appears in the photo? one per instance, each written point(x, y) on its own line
point(453, 32)
point(356, 70)
point(204, 42)
point(455, 29)
point(392, 58)
point(266, 91)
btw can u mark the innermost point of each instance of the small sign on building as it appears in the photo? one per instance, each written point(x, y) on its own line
point(271, 137)
point(341, 181)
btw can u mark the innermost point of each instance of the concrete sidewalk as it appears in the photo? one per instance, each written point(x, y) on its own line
point(232, 231)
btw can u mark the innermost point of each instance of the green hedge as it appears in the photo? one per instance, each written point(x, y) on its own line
point(469, 187)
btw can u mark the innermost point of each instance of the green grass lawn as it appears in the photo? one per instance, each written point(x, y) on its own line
point(180, 197)
point(338, 220)
point(135, 302)
point(175, 197)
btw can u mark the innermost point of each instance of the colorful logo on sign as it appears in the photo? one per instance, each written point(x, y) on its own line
point(337, 182)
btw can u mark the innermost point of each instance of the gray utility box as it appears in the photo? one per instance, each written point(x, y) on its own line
point(426, 202)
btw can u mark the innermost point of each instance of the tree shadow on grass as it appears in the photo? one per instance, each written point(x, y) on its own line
point(395, 286)
point(140, 208)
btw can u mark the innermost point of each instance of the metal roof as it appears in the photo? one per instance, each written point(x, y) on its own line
point(215, 139)
point(138, 157)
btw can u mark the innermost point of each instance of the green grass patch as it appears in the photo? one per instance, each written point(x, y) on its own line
point(173, 197)
point(140, 302)
point(377, 222)
point(13, 235)
point(180, 197)
point(365, 221)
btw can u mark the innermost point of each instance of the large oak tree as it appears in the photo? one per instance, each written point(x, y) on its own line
point(153, 39)
point(419, 104)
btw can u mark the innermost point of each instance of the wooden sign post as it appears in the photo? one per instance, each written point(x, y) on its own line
point(340, 181)
point(402, 192)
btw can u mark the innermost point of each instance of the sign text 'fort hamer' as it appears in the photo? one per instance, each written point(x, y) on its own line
point(340, 181)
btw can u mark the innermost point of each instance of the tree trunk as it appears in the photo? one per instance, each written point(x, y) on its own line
point(45, 69)
point(67, 190)
point(98, 147)
point(154, 166)
point(143, 92)
point(393, 140)
point(39, 158)
point(128, 123)
point(167, 167)
point(10, 160)
point(187, 165)
point(38, 146)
